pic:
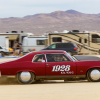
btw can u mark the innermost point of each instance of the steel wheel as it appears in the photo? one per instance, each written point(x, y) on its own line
point(25, 77)
point(94, 75)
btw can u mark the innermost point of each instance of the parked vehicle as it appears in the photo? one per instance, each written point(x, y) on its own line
point(71, 48)
point(87, 42)
point(4, 51)
point(35, 43)
point(4, 41)
point(49, 65)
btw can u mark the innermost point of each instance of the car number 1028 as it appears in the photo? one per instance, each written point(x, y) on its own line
point(61, 68)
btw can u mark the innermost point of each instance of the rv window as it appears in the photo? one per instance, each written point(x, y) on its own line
point(79, 40)
point(57, 39)
point(85, 40)
point(40, 42)
point(95, 38)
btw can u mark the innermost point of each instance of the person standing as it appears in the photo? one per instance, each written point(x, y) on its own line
point(17, 48)
point(13, 50)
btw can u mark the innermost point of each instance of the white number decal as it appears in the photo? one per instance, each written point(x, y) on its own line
point(61, 68)
point(67, 68)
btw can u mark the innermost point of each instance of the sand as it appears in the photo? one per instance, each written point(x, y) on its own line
point(49, 90)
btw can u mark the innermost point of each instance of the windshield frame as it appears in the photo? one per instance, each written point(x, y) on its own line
point(70, 56)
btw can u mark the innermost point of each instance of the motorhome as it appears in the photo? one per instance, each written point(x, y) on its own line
point(87, 42)
point(34, 43)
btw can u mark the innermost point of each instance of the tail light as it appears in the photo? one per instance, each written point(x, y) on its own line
point(75, 48)
point(33, 49)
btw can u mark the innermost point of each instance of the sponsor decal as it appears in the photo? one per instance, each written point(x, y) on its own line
point(64, 69)
point(70, 72)
point(57, 68)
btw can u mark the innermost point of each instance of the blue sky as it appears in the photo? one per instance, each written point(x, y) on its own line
point(21, 8)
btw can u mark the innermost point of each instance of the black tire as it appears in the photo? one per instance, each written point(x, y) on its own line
point(93, 75)
point(21, 78)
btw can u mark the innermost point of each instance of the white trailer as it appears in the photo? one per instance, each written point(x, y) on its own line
point(4, 45)
point(35, 43)
point(4, 41)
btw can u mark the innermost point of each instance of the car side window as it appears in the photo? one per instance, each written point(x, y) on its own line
point(56, 58)
point(39, 58)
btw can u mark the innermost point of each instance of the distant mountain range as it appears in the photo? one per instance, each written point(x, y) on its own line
point(50, 22)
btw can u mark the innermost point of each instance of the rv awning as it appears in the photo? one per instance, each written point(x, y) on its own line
point(11, 37)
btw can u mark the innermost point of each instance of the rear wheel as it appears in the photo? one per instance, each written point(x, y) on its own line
point(25, 77)
point(93, 75)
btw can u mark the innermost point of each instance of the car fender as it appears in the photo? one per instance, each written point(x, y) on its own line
point(92, 68)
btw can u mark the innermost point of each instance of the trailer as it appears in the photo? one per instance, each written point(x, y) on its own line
point(34, 43)
point(4, 45)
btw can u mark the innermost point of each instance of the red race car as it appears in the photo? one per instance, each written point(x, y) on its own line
point(50, 65)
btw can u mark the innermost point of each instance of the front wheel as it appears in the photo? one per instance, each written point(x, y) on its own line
point(93, 75)
point(25, 77)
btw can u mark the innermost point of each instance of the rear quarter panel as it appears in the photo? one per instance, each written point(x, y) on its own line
point(84, 66)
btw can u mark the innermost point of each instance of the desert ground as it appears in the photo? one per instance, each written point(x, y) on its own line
point(48, 90)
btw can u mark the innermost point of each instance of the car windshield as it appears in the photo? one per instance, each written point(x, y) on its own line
point(70, 56)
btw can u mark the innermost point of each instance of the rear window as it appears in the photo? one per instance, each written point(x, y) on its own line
point(65, 45)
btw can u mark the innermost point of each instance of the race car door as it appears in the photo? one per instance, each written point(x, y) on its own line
point(38, 64)
point(59, 64)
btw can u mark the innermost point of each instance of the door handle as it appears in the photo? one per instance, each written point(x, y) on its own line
point(48, 64)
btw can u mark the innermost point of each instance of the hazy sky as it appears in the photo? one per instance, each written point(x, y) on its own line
point(21, 8)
